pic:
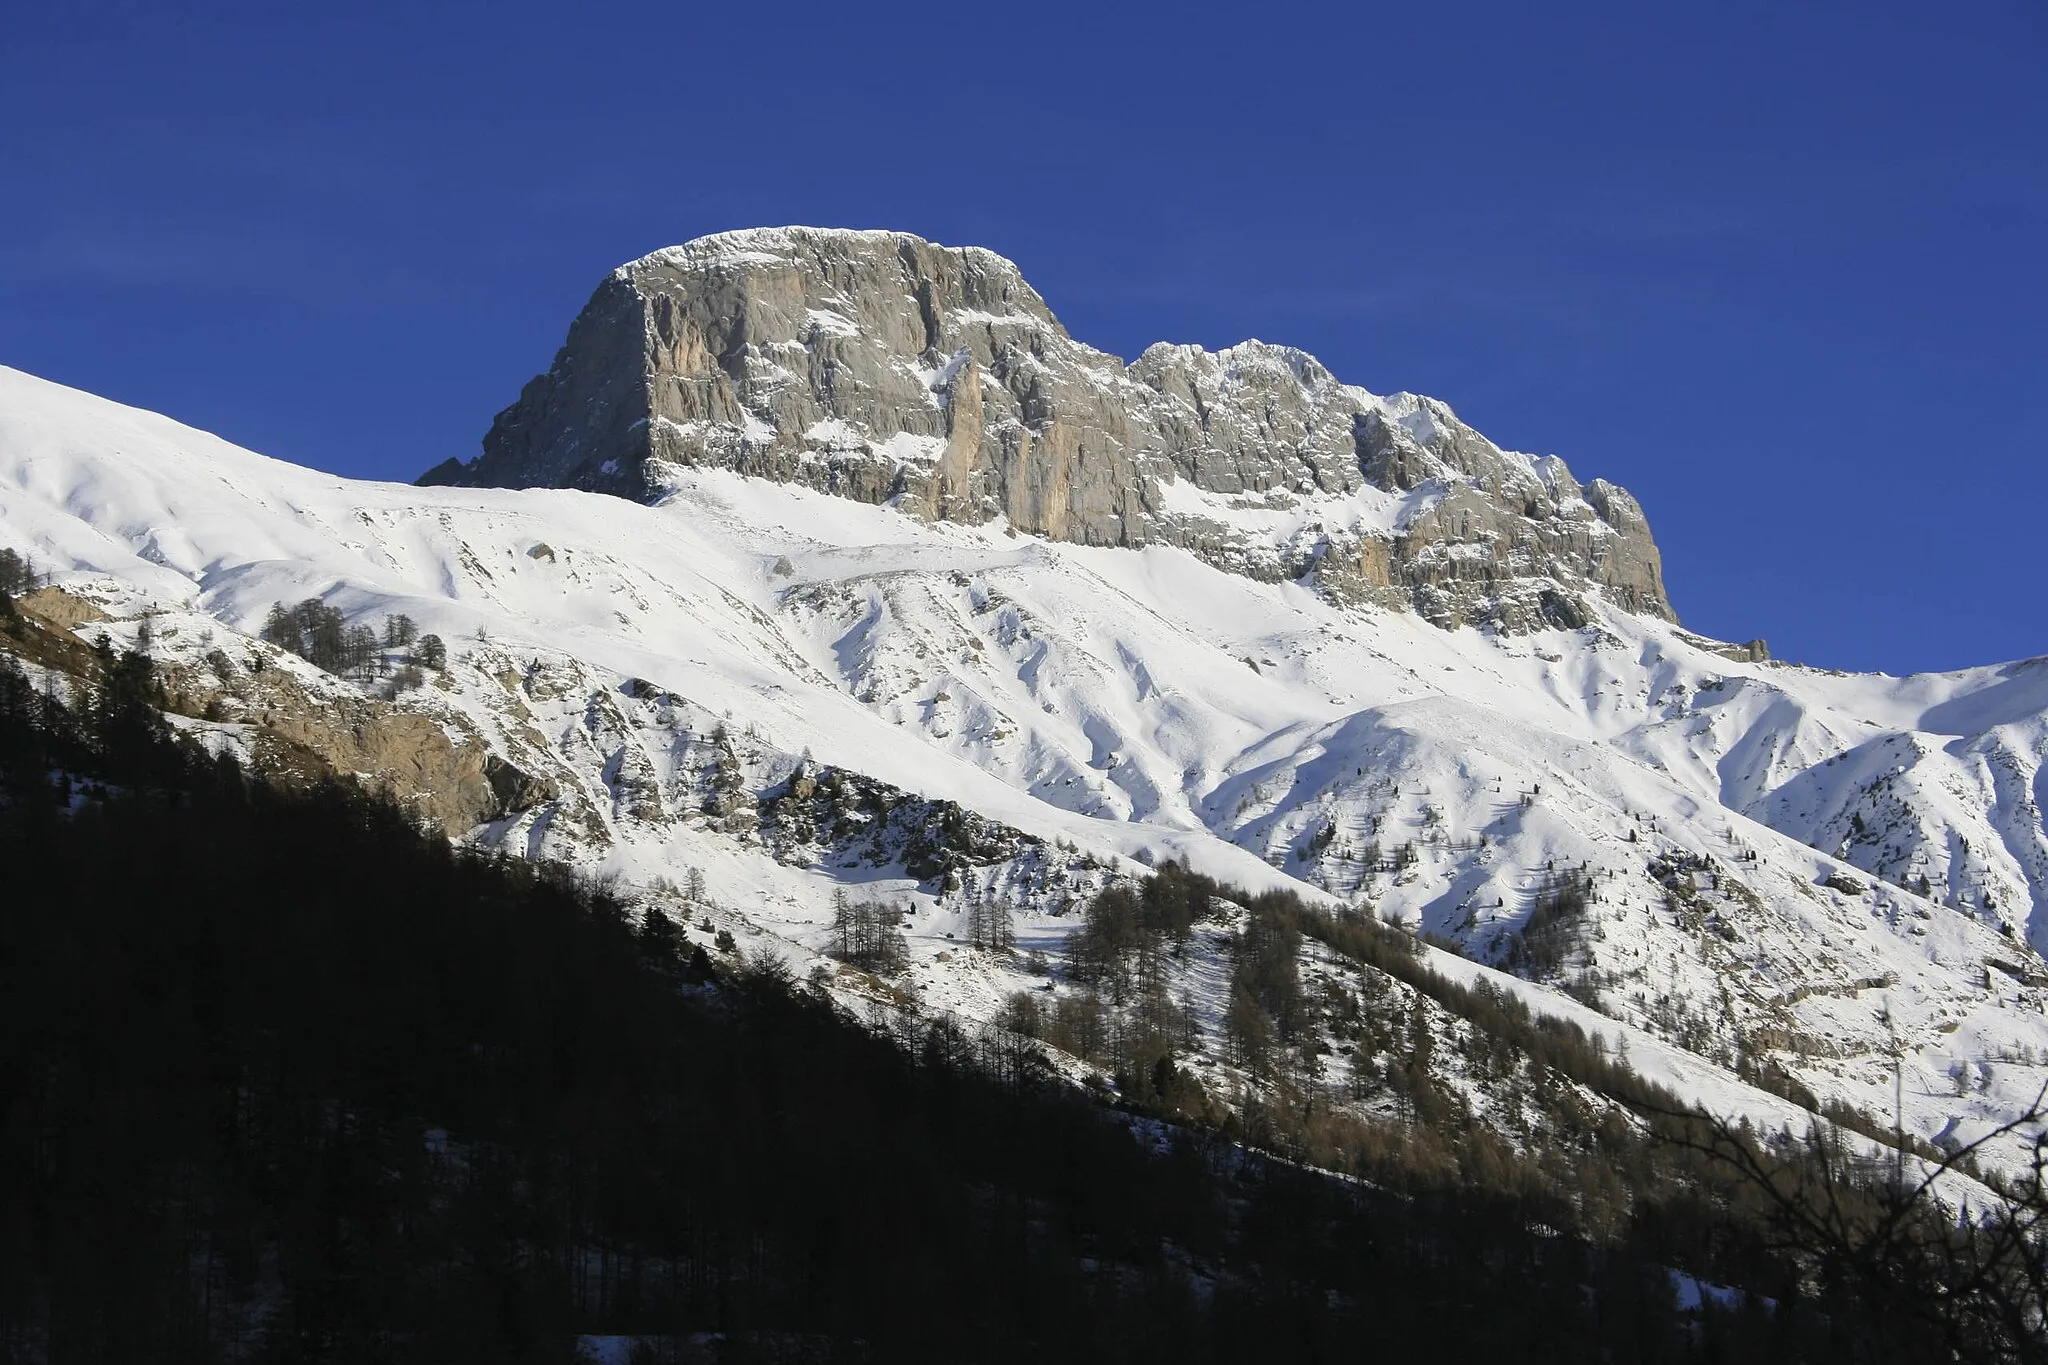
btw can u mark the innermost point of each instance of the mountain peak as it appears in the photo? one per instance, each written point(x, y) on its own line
point(775, 245)
point(886, 368)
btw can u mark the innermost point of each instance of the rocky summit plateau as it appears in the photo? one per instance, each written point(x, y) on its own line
point(885, 368)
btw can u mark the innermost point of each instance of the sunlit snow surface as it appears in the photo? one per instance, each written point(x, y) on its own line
point(1145, 706)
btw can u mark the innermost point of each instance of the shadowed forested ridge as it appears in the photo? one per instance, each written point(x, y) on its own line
point(283, 1078)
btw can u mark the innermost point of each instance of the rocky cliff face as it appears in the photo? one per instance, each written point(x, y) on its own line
point(885, 368)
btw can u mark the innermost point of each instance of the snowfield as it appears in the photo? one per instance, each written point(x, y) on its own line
point(1828, 870)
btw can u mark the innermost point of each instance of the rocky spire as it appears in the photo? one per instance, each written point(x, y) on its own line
point(885, 368)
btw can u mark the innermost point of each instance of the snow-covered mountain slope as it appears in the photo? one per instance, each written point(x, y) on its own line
point(788, 692)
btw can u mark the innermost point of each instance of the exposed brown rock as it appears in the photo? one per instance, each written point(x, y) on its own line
point(58, 608)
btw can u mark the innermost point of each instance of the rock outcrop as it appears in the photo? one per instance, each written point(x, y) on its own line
point(297, 734)
point(885, 368)
point(295, 731)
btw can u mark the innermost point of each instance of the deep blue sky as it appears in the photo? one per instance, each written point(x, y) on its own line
point(1780, 268)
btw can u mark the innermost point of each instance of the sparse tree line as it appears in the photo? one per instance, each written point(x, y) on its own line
point(323, 637)
point(109, 728)
point(991, 924)
point(867, 933)
point(1804, 1220)
point(1120, 1010)
point(18, 575)
point(1555, 929)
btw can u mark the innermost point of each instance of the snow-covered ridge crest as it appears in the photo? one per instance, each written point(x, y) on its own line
point(736, 350)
